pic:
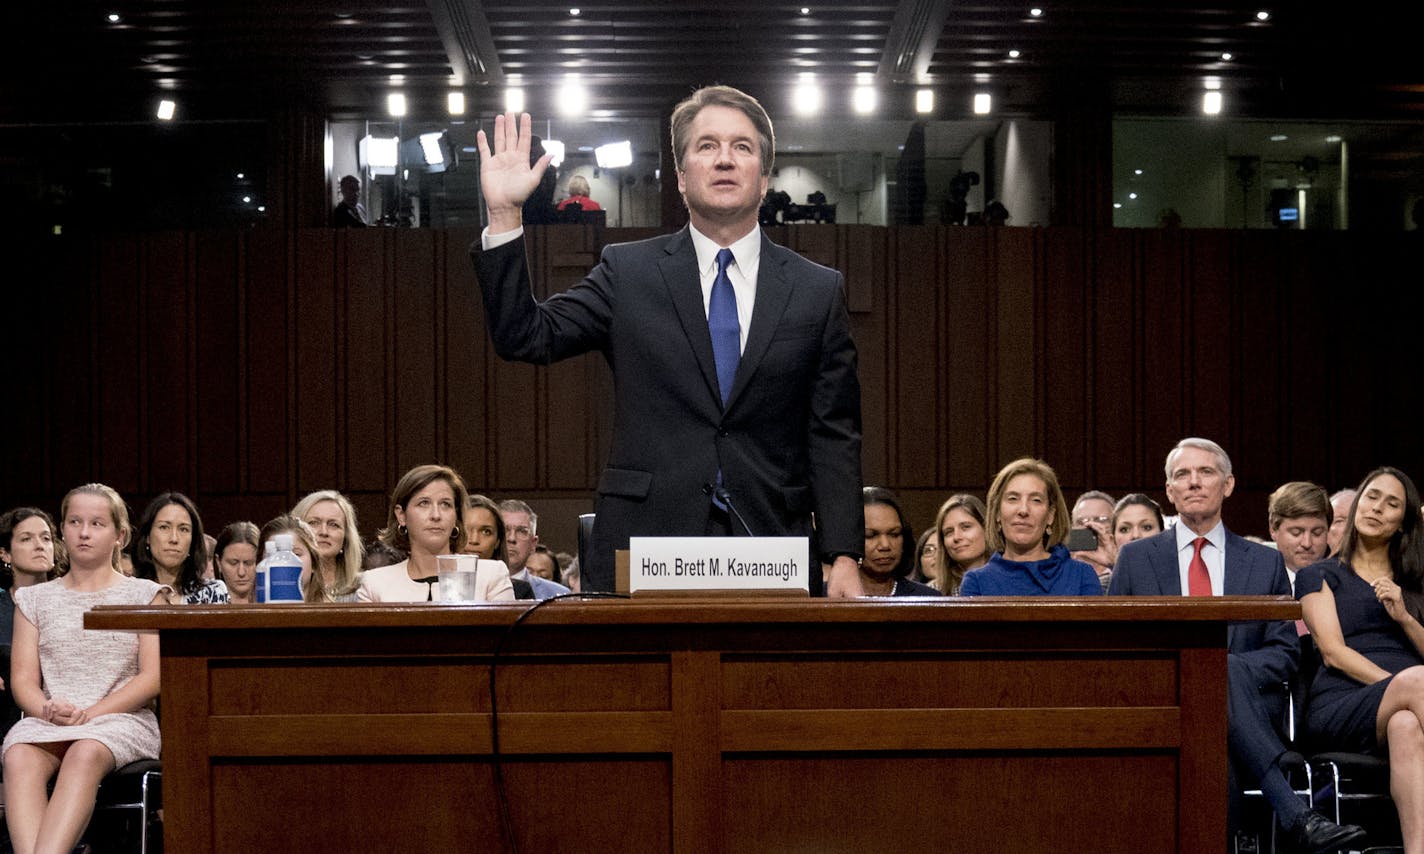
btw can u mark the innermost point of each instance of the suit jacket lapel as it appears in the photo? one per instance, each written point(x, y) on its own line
point(684, 284)
point(1169, 574)
point(773, 292)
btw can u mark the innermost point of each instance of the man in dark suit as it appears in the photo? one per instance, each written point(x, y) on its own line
point(736, 400)
point(1199, 557)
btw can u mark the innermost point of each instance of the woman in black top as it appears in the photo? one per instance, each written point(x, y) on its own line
point(889, 548)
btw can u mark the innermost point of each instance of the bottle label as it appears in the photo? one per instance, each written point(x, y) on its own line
point(284, 583)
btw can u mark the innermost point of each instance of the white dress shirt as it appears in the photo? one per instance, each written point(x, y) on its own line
point(1213, 555)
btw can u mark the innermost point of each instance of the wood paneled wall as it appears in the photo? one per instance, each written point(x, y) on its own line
point(249, 367)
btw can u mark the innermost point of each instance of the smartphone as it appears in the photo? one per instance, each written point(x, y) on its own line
point(1082, 540)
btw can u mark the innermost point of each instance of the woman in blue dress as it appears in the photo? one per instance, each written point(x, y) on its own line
point(1363, 608)
point(1028, 521)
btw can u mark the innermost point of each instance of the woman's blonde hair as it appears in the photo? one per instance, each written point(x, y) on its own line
point(349, 561)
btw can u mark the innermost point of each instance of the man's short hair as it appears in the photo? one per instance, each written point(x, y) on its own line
point(1299, 498)
point(1094, 494)
point(1223, 462)
point(722, 96)
point(514, 505)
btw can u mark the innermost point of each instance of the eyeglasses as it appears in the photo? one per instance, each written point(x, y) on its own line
point(1082, 521)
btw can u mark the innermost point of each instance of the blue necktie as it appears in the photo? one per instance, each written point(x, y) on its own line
point(722, 321)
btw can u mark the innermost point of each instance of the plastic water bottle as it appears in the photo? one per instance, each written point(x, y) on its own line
point(284, 573)
point(261, 588)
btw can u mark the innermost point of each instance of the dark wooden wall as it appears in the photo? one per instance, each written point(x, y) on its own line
point(247, 368)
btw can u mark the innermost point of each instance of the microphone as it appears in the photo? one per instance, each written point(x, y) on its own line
point(726, 498)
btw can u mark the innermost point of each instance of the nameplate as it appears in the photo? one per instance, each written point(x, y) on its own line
point(725, 564)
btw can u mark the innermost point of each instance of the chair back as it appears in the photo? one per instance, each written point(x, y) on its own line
point(585, 539)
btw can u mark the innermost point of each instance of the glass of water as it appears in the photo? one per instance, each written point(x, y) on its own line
point(457, 574)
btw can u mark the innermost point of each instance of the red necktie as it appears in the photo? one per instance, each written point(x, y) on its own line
point(1198, 580)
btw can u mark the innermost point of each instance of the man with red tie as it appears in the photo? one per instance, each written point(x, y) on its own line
point(1199, 557)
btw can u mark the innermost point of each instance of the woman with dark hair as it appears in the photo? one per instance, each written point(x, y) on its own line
point(484, 530)
point(1363, 608)
point(236, 558)
point(428, 520)
point(959, 532)
point(1136, 516)
point(926, 568)
point(27, 558)
point(1029, 521)
point(169, 549)
point(889, 551)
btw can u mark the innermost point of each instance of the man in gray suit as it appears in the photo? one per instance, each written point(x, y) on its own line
point(736, 400)
point(1199, 557)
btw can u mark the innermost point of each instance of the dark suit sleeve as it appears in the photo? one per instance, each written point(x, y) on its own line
point(524, 330)
point(1275, 661)
point(833, 436)
point(1123, 573)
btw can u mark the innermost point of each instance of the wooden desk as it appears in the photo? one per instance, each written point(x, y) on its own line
point(1028, 725)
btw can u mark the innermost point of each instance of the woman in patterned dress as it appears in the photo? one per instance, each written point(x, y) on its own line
point(87, 695)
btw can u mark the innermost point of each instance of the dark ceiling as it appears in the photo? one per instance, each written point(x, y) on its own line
point(228, 59)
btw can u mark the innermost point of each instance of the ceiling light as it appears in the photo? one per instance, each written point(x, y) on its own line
point(1263, 15)
point(805, 10)
point(1227, 57)
point(262, 209)
point(572, 97)
point(247, 200)
point(1117, 205)
point(1036, 12)
point(514, 100)
point(806, 97)
point(114, 17)
point(395, 104)
point(1137, 171)
point(240, 176)
point(575, 12)
point(924, 101)
point(1332, 138)
point(166, 108)
point(456, 103)
point(1211, 83)
point(614, 155)
point(1013, 54)
point(1279, 137)
point(1132, 195)
point(379, 154)
point(555, 149)
point(983, 104)
point(1211, 102)
point(862, 100)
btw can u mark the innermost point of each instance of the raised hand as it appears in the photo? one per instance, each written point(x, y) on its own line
point(506, 178)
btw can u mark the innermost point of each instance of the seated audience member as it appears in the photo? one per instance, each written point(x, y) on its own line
point(210, 569)
point(236, 552)
point(484, 538)
point(303, 542)
point(427, 519)
point(380, 553)
point(168, 548)
point(571, 575)
point(1340, 504)
point(578, 196)
point(1363, 607)
point(1028, 522)
point(1093, 510)
point(1298, 515)
point(961, 541)
point(1200, 557)
point(87, 694)
point(889, 557)
point(338, 547)
point(1136, 517)
point(543, 564)
point(521, 532)
point(926, 558)
point(27, 558)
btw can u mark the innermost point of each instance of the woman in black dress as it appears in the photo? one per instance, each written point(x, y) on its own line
point(1363, 608)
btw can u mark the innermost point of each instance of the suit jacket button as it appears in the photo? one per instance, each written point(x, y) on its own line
point(722, 433)
point(706, 489)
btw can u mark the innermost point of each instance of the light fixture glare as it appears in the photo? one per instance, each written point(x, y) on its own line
point(983, 103)
point(1211, 102)
point(166, 109)
point(395, 104)
point(924, 101)
point(456, 102)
